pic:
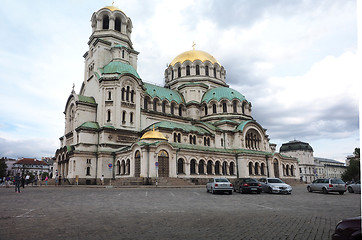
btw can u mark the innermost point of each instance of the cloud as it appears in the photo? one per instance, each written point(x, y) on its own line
point(36, 147)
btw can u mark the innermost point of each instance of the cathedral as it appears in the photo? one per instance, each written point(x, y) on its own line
point(194, 127)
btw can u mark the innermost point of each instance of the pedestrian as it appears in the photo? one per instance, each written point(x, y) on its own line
point(27, 179)
point(102, 180)
point(36, 180)
point(17, 181)
point(23, 181)
point(60, 179)
point(46, 181)
point(7, 181)
point(56, 180)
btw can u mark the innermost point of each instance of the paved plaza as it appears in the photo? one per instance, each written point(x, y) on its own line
point(80, 212)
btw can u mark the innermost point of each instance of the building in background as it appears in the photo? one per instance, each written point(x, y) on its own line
point(193, 127)
point(9, 162)
point(329, 168)
point(30, 165)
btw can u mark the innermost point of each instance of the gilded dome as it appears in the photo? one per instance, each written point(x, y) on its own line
point(193, 55)
point(112, 8)
point(156, 135)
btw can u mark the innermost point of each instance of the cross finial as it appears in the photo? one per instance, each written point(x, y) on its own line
point(113, 3)
point(193, 45)
point(73, 87)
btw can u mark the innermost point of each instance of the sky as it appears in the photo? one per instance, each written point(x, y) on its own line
point(297, 62)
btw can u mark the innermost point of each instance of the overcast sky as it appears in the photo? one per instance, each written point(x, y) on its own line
point(295, 61)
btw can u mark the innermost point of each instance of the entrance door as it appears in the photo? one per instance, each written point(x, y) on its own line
point(163, 164)
point(137, 165)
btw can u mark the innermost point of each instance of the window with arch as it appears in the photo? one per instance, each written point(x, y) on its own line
point(122, 95)
point(180, 166)
point(118, 168)
point(232, 167)
point(250, 168)
point(214, 108)
point(145, 103)
point(123, 53)
point(132, 95)
point(128, 167)
point(88, 171)
point(287, 170)
point(217, 168)
point(252, 139)
point(180, 110)
point(179, 72)
point(117, 24)
point(155, 105)
point(207, 70)
point(193, 166)
point(224, 168)
point(243, 107)
point(124, 117)
point(256, 168)
point(292, 170)
point(187, 70)
point(201, 167)
point(163, 107)
point(262, 169)
point(235, 106)
point(172, 108)
point(109, 95)
point(123, 167)
point(108, 115)
point(172, 77)
point(127, 94)
point(206, 110)
point(197, 70)
point(131, 117)
point(224, 107)
point(105, 24)
point(214, 72)
point(137, 164)
point(209, 167)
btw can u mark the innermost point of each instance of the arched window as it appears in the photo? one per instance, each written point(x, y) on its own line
point(172, 108)
point(292, 170)
point(105, 22)
point(128, 166)
point(163, 107)
point(180, 110)
point(117, 24)
point(132, 95)
point(123, 167)
point(187, 70)
point(127, 94)
point(207, 70)
point(179, 72)
point(256, 168)
point(180, 166)
point(175, 137)
point(179, 137)
point(243, 108)
point(214, 108)
point(252, 139)
point(224, 107)
point(194, 139)
point(262, 169)
point(250, 168)
point(197, 70)
point(122, 53)
point(88, 171)
point(118, 168)
point(155, 105)
point(193, 166)
point(123, 90)
point(109, 95)
point(222, 142)
point(276, 168)
point(217, 168)
point(209, 167)
point(201, 167)
point(172, 74)
point(232, 167)
point(235, 106)
point(205, 110)
point(224, 168)
point(214, 72)
point(108, 115)
point(145, 103)
point(287, 170)
point(123, 116)
point(131, 117)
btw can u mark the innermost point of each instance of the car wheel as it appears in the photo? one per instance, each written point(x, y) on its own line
point(270, 190)
point(309, 189)
point(240, 190)
point(213, 191)
point(350, 189)
point(324, 190)
point(341, 193)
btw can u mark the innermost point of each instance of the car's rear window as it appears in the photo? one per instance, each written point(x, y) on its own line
point(275, 180)
point(337, 181)
point(221, 180)
point(248, 180)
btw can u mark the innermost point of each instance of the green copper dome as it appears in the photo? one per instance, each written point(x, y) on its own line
point(222, 93)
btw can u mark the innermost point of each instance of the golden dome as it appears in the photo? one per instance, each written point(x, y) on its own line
point(153, 135)
point(193, 55)
point(112, 8)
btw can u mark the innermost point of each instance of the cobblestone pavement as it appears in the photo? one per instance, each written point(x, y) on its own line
point(169, 213)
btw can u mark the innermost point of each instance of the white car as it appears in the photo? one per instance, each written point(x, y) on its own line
point(354, 187)
point(219, 185)
point(275, 185)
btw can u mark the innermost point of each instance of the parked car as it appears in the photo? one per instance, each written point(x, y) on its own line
point(219, 185)
point(327, 185)
point(354, 187)
point(349, 228)
point(247, 185)
point(275, 185)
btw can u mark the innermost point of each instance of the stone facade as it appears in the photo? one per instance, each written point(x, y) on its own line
point(206, 128)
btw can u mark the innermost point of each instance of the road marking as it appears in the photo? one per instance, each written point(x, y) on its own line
point(197, 193)
point(22, 215)
point(146, 193)
point(173, 195)
point(258, 205)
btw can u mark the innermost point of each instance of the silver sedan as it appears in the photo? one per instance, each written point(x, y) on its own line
point(354, 187)
point(219, 185)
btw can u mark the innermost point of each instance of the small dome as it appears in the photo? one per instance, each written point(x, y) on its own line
point(112, 8)
point(295, 146)
point(222, 93)
point(193, 55)
point(154, 135)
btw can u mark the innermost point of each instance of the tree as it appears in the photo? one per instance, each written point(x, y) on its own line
point(352, 172)
point(3, 168)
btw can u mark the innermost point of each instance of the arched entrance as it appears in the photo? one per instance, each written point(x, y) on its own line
point(163, 164)
point(276, 168)
point(137, 164)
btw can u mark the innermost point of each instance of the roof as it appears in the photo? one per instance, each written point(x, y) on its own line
point(193, 55)
point(163, 93)
point(86, 99)
point(180, 126)
point(119, 67)
point(242, 124)
point(92, 125)
point(153, 135)
point(295, 146)
point(220, 93)
point(30, 161)
point(326, 160)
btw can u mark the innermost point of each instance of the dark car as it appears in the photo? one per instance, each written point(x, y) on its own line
point(349, 228)
point(247, 185)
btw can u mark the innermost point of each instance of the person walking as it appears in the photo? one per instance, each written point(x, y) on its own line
point(27, 179)
point(17, 181)
point(23, 181)
point(102, 180)
point(46, 181)
point(7, 181)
